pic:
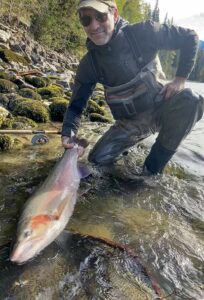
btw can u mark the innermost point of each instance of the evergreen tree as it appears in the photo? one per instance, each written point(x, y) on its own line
point(155, 13)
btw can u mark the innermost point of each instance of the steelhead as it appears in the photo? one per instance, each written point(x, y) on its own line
point(48, 211)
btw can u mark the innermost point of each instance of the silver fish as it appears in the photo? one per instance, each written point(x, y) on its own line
point(48, 211)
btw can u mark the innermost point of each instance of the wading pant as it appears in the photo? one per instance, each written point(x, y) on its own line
point(173, 118)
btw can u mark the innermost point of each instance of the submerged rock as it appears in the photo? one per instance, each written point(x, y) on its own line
point(6, 142)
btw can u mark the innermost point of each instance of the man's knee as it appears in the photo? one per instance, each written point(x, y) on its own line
point(99, 158)
point(193, 102)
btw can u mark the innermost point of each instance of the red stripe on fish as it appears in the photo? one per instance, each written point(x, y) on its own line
point(42, 219)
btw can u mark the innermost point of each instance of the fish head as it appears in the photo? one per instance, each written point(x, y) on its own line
point(33, 235)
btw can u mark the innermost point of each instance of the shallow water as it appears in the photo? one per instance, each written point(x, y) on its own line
point(162, 220)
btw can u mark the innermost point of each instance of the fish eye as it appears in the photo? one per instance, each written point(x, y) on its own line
point(27, 233)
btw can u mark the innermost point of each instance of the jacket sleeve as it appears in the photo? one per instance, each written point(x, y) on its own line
point(162, 36)
point(83, 88)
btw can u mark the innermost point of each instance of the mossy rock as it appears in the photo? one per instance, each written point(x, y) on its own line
point(101, 102)
point(34, 110)
point(18, 123)
point(93, 107)
point(14, 100)
point(94, 117)
point(2, 118)
point(7, 76)
point(36, 81)
point(7, 86)
point(58, 98)
point(9, 56)
point(58, 109)
point(6, 142)
point(29, 93)
point(51, 91)
point(4, 101)
point(68, 94)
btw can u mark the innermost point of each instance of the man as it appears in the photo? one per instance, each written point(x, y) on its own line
point(123, 58)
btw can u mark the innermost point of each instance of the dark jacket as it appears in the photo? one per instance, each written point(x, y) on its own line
point(117, 64)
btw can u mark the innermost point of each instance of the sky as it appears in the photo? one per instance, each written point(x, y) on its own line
point(181, 10)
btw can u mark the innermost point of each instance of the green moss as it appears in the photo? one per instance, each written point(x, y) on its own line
point(178, 171)
point(6, 142)
point(7, 76)
point(58, 109)
point(68, 94)
point(7, 86)
point(36, 81)
point(10, 56)
point(101, 102)
point(34, 110)
point(2, 118)
point(51, 91)
point(18, 123)
point(94, 117)
point(93, 107)
point(30, 93)
point(4, 101)
point(58, 98)
point(14, 99)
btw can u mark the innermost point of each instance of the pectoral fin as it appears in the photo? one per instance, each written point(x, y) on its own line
point(84, 171)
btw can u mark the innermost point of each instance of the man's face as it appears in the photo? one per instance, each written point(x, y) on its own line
point(99, 31)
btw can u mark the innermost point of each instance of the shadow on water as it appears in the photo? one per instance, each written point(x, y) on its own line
point(161, 220)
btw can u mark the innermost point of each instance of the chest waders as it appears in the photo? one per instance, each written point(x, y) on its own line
point(139, 94)
point(128, 101)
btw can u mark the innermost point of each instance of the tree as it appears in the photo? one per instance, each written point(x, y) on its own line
point(155, 13)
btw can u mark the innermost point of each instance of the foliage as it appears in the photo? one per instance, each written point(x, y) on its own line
point(19, 10)
point(57, 25)
point(198, 71)
point(134, 10)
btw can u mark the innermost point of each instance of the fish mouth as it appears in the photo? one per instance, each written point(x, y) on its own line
point(23, 252)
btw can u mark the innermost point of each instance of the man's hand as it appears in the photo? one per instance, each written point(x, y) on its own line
point(173, 87)
point(66, 142)
point(68, 145)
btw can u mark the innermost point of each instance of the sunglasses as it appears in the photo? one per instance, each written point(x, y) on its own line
point(86, 20)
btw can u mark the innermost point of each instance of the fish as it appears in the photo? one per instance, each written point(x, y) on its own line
point(49, 209)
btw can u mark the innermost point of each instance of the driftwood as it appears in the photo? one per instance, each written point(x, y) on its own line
point(30, 72)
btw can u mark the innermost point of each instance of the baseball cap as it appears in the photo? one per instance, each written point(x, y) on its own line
point(98, 5)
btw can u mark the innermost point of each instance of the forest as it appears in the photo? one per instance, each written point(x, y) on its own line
point(54, 23)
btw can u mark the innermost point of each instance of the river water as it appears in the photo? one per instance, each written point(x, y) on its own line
point(162, 220)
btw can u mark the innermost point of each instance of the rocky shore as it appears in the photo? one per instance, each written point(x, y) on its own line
point(36, 86)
